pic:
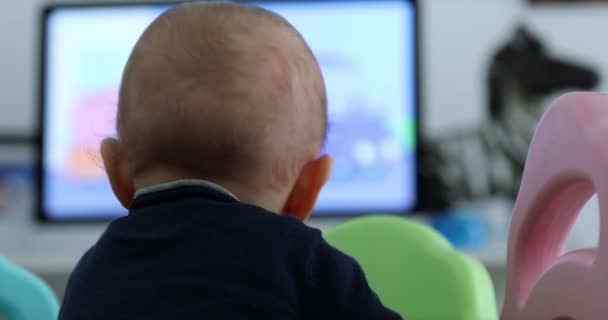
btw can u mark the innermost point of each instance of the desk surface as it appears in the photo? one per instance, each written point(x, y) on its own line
point(57, 248)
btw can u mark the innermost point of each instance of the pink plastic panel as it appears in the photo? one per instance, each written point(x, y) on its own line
point(567, 163)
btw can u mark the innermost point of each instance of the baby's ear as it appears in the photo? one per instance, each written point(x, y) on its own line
point(117, 168)
point(311, 180)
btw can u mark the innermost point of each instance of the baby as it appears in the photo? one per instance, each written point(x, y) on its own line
point(222, 114)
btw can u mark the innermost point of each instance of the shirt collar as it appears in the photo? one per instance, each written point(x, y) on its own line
point(184, 183)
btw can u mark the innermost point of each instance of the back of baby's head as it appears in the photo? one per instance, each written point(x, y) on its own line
point(222, 91)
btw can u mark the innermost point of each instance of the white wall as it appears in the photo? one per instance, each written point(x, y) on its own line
point(458, 36)
point(17, 21)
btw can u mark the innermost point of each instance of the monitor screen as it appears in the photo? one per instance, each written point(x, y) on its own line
point(367, 53)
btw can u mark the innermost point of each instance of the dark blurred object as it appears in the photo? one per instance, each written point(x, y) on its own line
point(488, 161)
point(524, 65)
point(6, 193)
point(16, 169)
point(13, 178)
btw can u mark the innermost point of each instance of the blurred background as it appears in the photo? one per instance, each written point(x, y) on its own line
point(488, 68)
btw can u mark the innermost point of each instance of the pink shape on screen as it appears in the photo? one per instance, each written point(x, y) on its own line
point(93, 119)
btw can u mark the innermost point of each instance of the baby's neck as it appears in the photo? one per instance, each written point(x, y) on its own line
point(268, 200)
point(187, 183)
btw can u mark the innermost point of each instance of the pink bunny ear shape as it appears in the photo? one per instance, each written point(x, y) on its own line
point(567, 163)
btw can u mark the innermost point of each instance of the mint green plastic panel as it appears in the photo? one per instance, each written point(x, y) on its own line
point(23, 296)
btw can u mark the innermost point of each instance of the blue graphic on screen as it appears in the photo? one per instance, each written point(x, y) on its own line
point(366, 52)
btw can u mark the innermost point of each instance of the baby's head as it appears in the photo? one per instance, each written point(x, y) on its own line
point(225, 93)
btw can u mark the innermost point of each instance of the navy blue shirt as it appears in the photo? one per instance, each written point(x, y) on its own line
point(197, 253)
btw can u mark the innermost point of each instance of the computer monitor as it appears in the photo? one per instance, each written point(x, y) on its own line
point(368, 55)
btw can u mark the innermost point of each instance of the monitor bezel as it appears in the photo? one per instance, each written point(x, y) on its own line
point(44, 217)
